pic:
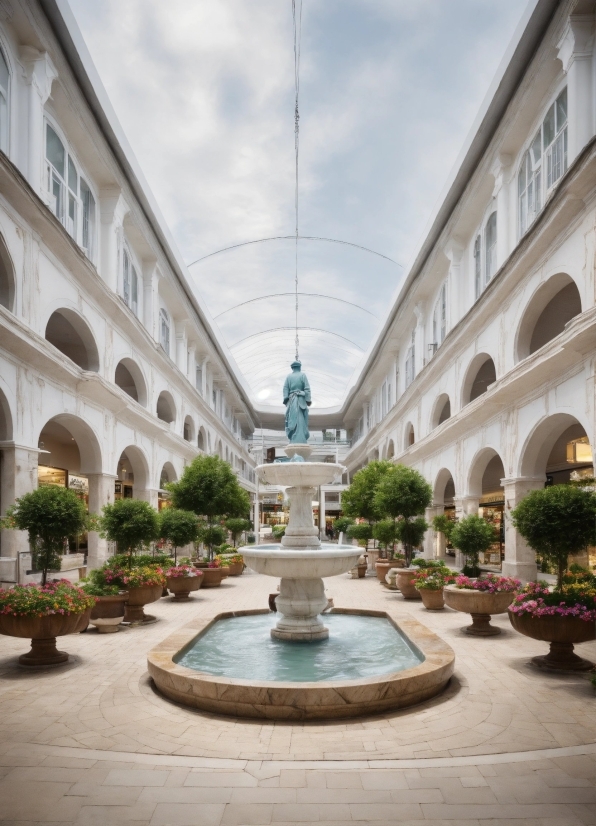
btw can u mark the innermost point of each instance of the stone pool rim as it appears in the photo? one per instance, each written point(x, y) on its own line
point(302, 701)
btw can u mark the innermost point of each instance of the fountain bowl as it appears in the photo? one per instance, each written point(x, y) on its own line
point(302, 474)
point(275, 560)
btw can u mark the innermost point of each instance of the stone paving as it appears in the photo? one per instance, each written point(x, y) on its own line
point(92, 743)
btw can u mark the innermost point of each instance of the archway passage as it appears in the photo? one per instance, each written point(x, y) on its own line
point(7, 279)
point(390, 449)
point(201, 439)
point(409, 437)
point(444, 504)
point(481, 374)
point(441, 411)
point(132, 473)
point(189, 429)
point(166, 410)
point(70, 334)
point(129, 378)
point(485, 483)
point(553, 306)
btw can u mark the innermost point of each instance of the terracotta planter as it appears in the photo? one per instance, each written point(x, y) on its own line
point(108, 612)
point(236, 568)
point(225, 571)
point(405, 582)
point(561, 633)
point(481, 605)
point(383, 567)
point(212, 577)
point(139, 597)
point(432, 598)
point(181, 586)
point(361, 571)
point(42, 631)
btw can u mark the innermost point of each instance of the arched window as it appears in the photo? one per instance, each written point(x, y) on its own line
point(164, 330)
point(543, 164)
point(440, 317)
point(4, 81)
point(130, 283)
point(477, 267)
point(411, 359)
point(490, 246)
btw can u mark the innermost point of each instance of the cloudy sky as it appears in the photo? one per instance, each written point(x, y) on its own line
point(204, 90)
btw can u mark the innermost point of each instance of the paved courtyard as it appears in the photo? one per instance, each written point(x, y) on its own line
point(91, 742)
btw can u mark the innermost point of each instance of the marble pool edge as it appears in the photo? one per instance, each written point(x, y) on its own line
point(329, 700)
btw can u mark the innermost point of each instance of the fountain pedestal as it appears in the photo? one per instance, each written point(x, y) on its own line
point(300, 602)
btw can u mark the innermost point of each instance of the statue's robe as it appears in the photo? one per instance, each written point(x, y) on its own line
point(297, 399)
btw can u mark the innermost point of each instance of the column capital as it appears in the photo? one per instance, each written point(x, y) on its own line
point(112, 205)
point(39, 71)
point(454, 250)
point(577, 40)
point(499, 169)
point(525, 480)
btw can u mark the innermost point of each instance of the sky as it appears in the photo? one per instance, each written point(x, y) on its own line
point(389, 89)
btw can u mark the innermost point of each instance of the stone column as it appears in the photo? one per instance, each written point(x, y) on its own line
point(101, 492)
point(520, 559)
point(192, 364)
point(432, 543)
point(39, 75)
point(181, 350)
point(112, 208)
point(464, 506)
point(500, 172)
point(419, 339)
point(322, 515)
point(18, 466)
point(575, 52)
point(150, 298)
point(256, 513)
point(454, 251)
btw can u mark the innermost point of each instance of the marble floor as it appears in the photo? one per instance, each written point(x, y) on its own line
point(92, 743)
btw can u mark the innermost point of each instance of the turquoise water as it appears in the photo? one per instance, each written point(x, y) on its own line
point(358, 647)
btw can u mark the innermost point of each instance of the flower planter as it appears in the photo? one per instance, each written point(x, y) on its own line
point(181, 586)
point(481, 605)
point(405, 582)
point(383, 567)
point(42, 631)
point(236, 568)
point(562, 633)
point(225, 571)
point(212, 577)
point(108, 612)
point(361, 571)
point(432, 598)
point(139, 597)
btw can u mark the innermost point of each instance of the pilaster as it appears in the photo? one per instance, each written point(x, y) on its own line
point(501, 173)
point(576, 54)
point(39, 73)
point(18, 476)
point(112, 208)
point(101, 492)
point(454, 251)
point(520, 559)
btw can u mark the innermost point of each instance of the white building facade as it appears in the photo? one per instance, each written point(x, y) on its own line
point(111, 376)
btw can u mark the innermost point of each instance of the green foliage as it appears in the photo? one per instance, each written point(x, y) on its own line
point(58, 597)
point(278, 531)
point(251, 539)
point(555, 522)
point(209, 487)
point(95, 590)
point(211, 536)
point(359, 499)
point(178, 527)
point(442, 524)
point(50, 515)
point(341, 525)
point(141, 560)
point(385, 532)
point(237, 525)
point(404, 494)
point(361, 533)
point(411, 533)
point(130, 523)
point(472, 535)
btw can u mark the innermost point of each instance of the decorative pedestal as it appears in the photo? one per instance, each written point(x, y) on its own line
point(300, 602)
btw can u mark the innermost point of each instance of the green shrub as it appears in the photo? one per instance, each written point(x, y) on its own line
point(361, 533)
point(178, 527)
point(472, 535)
point(131, 524)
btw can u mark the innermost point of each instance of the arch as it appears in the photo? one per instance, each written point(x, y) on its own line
point(441, 411)
point(390, 449)
point(129, 377)
point(481, 373)
point(60, 449)
point(202, 439)
point(68, 332)
point(139, 468)
point(552, 306)
point(5, 419)
point(409, 436)
point(166, 408)
point(442, 487)
point(7, 277)
point(168, 474)
point(538, 447)
point(189, 429)
point(219, 449)
point(481, 475)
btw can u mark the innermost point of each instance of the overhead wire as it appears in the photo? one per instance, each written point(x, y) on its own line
point(297, 23)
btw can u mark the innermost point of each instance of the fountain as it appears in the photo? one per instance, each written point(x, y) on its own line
point(372, 663)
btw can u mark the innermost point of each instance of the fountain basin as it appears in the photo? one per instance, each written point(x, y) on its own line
point(296, 701)
point(274, 560)
point(300, 474)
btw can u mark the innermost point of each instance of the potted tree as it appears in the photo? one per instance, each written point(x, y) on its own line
point(430, 581)
point(358, 500)
point(341, 525)
point(178, 527)
point(556, 522)
point(481, 598)
point(361, 532)
point(52, 609)
point(133, 523)
point(385, 533)
point(472, 535)
point(211, 537)
point(411, 533)
point(237, 526)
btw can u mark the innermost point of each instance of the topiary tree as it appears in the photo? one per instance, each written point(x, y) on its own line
point(209, 488)
point(442, 524)
point(404, 494)
point(237, 526)
point(50, 515)
point(385, 532)
point(178, 527)
point(472, 535)
point(361, 533)
point(411, 532)
point(131, 523)
point(341, 525)
point(212, 536)
point(555, 522)
point(358, 500)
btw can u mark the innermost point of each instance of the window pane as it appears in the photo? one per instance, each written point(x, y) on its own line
point(521, 180)
point(55, 151)
point(548, 127)
point(536, 150)
point(73, 178)
point(561, 107)
point(3, 74)
point(88, 218)
point(491, 246)
point(134, 291)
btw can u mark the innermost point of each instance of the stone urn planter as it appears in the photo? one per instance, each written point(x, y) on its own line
point(383, 566)
point(138, 597)
point(432, 598)
point(42, 631)
point(182, 586)
point(212, 577)
point(236, 568)
point(225, 571)
point(562, 633)
point(108, 612)
point(481, 605)
point(405, 583)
